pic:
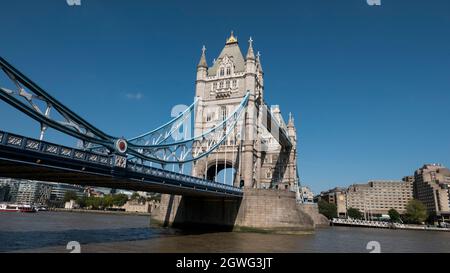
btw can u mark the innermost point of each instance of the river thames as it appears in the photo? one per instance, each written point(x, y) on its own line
point(51, 231)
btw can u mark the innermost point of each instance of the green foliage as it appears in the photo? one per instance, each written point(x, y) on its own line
point(416, 212)
point(119, 199)
point(107, 201)
point(81, 201)
point(135, 196)
point(327, 209)
point(394, 215)
point(70, 195)
point(355, 213)
point(155, 197)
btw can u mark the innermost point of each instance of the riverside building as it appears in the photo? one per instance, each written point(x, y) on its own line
point(376, 198)
point(431, 187)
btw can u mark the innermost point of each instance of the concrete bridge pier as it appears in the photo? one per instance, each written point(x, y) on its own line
point(260, 210)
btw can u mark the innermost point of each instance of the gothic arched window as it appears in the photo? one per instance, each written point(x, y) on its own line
point(228, 70)
point(220, 85)
point(214, 86)
point(228, 84)
point(234, 83)
point(222, 71)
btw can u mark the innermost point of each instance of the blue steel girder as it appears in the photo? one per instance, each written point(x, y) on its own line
point(71, 124)
point(162, 134)
point(152, 146)
point(194, 148)
point(23, 157)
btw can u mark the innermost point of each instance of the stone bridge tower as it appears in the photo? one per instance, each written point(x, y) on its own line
point(256, 156)
point(263, 159)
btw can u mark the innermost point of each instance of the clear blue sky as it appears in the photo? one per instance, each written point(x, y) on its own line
point(369, 86)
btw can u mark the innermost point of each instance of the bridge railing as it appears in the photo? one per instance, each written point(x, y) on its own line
point(39, 146)
point(179, 177)
point(42, 147)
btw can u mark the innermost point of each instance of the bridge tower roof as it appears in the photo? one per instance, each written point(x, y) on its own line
point(232, 51)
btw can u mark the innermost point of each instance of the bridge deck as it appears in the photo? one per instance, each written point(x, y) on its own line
point(27, 158)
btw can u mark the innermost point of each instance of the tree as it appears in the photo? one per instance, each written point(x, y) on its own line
point(119, 199)
point(416, 212)
point(135, 196)
point(354, 213)
point(327, 209)
point(81, 201)
point(70, 195)
point(394, 215)
point(107, 201)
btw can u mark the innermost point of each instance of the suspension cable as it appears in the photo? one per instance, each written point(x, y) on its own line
point(217, 160)
point(225, 162)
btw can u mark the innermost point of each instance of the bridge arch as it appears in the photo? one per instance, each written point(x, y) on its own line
point(221, 170)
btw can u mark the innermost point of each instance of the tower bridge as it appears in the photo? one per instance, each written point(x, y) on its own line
point(233, 128)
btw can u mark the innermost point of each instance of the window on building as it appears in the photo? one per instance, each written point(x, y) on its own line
point(234, 83)
point(228, 71)
point(228, 84)
point(220, 85)
point(224, 112)
point(221, 71)
point(214, 86)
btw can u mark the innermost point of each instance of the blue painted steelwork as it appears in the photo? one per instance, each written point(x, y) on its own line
point(194, 148)
point(20, 151)
point(164, 132)
point(151, 146)
point(73, 124)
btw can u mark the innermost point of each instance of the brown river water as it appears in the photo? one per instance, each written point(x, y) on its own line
point(51, 232)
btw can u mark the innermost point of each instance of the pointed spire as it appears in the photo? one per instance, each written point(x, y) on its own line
point(291, 122)
point(202, 62)
point(250, 54)
point(258, 60)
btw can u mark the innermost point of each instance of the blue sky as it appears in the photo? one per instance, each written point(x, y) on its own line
point(369, 86)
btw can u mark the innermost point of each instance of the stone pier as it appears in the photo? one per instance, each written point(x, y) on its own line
point(259, 210)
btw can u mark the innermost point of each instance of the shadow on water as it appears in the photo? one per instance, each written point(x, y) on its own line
point(14, 241)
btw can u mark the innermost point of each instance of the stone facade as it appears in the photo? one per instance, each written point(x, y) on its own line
point(264, 165)
point(374, 198)
point(378, 197)
point(145, 207)
point(259, 210)
point(258, 159)
point(307, 195)
point(337, 196)
point(431, 186)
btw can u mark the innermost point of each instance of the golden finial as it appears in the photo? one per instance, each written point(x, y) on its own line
point(232, 39)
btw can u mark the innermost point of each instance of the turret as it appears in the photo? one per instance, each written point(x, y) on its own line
point(250, 69)
point(202, 66)
point(250, 61)
point(202, 71)
point(292, 131)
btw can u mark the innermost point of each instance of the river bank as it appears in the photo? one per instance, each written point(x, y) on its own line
point(384, 225)
point(111, 212)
